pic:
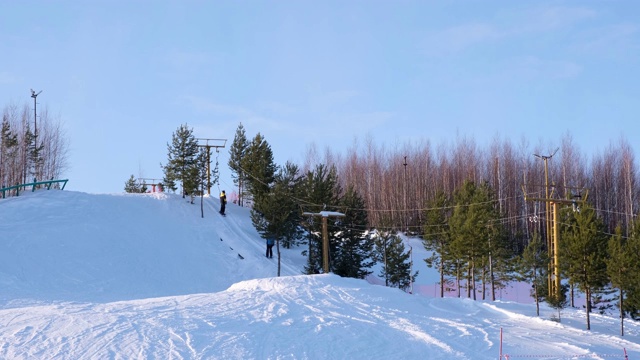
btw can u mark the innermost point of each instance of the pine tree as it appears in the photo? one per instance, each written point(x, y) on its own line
point(476, 234)
point(500, 262)
point(204, 154)
point(35, 155)
point(132, 186)
point(558, 301)
point(623, 266)
point(632, 304)
point(437, 236)
point(182, 161)
point(352, 253)
point(259, 166)
point(319, 188)
point(531, 266)
point(27, 155)
point(583, 248)
point(286, 189)
point(236, 154)
point(276, 214)
point(396, 264)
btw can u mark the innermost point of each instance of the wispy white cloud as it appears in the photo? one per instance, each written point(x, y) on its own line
point(227, 117)
point(7, 78)
point(458, 38)
point(504, 26)
point(276, 107)
point(551, 18)
point(617, 40)
point(535, 68)
point(328, 101)
point(185, 65)
point(364, 121)
point(185, 59)
point(345, 124)
point(200, 104)
point(283, 124)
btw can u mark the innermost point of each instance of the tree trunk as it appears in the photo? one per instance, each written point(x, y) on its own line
point(473, 280)
point(441, 278)
point(621, 314)
point(492, 279)
point(458, 277)
point(278, 251)
point(588, 307)
point(535, 293)
point(469, 281)
point(484, 286)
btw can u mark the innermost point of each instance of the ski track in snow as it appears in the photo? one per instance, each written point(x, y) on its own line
point(145, 277)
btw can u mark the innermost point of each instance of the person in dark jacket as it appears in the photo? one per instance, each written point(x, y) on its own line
point(270, 243)
point(223, 202)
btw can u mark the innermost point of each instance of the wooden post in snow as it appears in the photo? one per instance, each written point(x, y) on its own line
point(325, 235)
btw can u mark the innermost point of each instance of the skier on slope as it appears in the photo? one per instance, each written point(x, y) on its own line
point(223, 202)
point(270, 243)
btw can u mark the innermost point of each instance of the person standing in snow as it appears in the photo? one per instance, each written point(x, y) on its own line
point(270, 243)
point(223, 202)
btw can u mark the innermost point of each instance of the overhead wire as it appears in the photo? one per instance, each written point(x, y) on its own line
point(302, 202)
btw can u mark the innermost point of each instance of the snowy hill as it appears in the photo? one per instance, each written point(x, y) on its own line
point(61, 245)
point(87, 276)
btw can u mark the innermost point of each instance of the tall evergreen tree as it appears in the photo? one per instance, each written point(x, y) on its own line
point(532, 266)
point(352, 253)
point(182, 161)
point(36, 148)
point(583, 249)
point(286, 189)
point(319, 189)
point(259, 167)
point(437, 236)
point(623, 267)
point(133, 186)
point(27, 155)
point(204, 154)
point(632, 304)
point(499, 263)
point(236, 153)
point(475, 230)
point(396, 264)
point(276, 214)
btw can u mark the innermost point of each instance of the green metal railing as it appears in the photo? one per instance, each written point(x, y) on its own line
point(34, 185)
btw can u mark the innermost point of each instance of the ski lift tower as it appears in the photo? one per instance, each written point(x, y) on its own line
point(34, 95)
point(554, 238)
point(208, 144)
point(325, 235)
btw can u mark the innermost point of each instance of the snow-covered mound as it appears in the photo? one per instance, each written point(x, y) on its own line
point(72, 246)
point(145, 277)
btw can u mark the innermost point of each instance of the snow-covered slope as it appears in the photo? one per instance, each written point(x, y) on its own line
point(145, 277)
point(61, 245)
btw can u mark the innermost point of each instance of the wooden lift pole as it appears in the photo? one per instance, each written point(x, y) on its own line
point(221, 144)
point(554, 247)
point(325, 235)
point(547, 209)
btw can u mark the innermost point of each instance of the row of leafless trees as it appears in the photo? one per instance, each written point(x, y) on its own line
point(27, 153)
point(398, 182)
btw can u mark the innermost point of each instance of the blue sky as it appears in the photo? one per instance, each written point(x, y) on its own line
point(123, 75)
